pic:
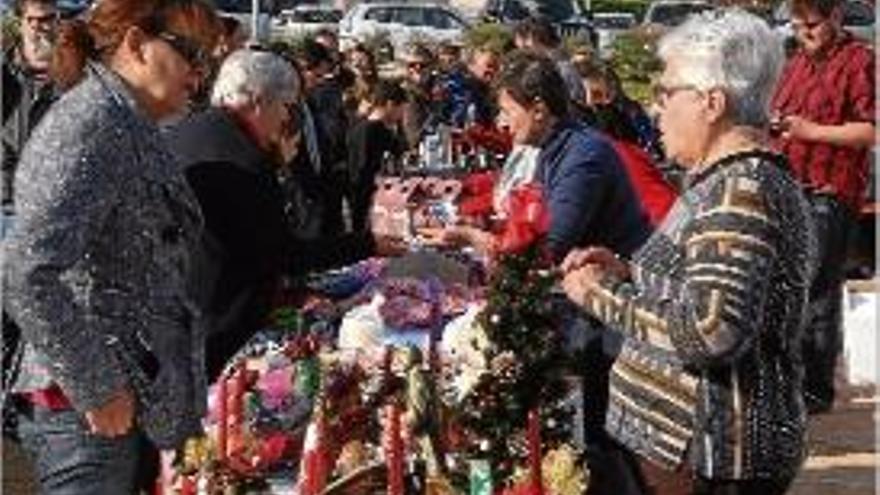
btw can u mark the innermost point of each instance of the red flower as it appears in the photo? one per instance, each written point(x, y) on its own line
point(528, 219)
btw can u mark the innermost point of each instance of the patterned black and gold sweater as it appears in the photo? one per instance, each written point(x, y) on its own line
point(710, 372)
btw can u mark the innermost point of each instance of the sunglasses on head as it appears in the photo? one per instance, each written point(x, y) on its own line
point(186, 48)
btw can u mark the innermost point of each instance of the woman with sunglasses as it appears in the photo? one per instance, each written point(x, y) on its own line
point(98, 260)
point(706, 390)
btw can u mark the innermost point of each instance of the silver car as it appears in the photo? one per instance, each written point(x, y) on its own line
point(402, 23)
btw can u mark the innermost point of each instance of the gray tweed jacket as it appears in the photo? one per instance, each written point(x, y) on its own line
point(97, 265)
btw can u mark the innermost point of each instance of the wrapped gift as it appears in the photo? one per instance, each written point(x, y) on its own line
point(393, 202)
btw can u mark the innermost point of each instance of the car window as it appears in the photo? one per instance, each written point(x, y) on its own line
point(675, 13)
point(241, 6)
point(440, 19)
point(613, 22)
point(857, 14)
point(317, 16)
point(379, 14)
point(409, 16)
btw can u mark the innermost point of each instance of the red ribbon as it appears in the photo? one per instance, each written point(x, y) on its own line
point(528, 219)
point(477, 194)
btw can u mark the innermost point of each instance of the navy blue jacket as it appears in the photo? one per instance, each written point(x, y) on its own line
point(590, 197)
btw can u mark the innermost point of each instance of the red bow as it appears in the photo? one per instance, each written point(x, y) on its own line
point(477, 193)
point(528, 219)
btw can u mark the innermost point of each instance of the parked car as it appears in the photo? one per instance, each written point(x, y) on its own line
point(305, 19)
point(664, 14)
point(516, 10)
point(402, 23)
point(858, 18)
point(608, 25)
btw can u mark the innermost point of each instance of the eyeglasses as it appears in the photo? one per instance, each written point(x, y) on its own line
point(662, 93)
point(417, 65)
point(186, 48)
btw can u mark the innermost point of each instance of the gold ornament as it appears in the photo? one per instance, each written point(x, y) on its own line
point(563, 473)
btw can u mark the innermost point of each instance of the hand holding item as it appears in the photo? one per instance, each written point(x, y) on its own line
point(456, 236)
point(581, 282)
point(115, 417)
point(595, 255)
point(450, 237)
point(797, 127)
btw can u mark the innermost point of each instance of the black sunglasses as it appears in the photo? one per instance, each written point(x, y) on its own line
point(186, 48)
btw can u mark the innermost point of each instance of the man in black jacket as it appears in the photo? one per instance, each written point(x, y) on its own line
point(231, 152)
point(27, 89)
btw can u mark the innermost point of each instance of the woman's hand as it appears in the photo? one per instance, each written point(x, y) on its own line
point(595, 255)
point(455, 236)
point(115, 417)
point(452, 236)
point(581, 282)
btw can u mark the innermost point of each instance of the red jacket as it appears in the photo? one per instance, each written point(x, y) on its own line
point(655, 194)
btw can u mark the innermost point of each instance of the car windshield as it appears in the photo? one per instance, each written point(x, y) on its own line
point(317, 16)
point(674, 14)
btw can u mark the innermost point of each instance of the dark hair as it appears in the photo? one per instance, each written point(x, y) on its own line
point(538, 29)
point(421, 51)
point(231, 25)
point(18, 6)
point(822, 7)
point(109, 21)
point(528, 77)
point(361, 48)
point(591, 69)
point(386, 91)
point(311, 54)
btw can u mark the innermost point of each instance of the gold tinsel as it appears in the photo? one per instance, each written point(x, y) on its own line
point(563, 473)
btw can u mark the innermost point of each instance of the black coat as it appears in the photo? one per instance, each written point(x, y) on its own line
point(248, 246)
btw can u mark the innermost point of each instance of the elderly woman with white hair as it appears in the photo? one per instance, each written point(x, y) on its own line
point(707, 388)
point(231, 153)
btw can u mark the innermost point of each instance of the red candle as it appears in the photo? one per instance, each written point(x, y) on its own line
point(534, 439)
point(236, 411)
point(222, 418)
point(393, 446)
point(313, 467)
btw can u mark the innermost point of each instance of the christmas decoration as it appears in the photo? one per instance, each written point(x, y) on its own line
point(524, 348)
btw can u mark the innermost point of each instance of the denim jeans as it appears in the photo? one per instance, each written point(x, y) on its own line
point(823, 337)
point(69, 460)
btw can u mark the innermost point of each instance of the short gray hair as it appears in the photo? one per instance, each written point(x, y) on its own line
point(247, 75)
point(732, 50)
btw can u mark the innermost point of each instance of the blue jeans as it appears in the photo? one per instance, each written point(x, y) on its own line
point(823, 338)
point(68, 460)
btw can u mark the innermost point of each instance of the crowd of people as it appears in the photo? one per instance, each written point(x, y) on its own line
point(162, 179)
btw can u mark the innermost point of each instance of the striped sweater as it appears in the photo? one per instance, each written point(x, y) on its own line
point(710, 372)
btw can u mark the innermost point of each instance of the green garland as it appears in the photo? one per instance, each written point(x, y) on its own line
point(526, 356)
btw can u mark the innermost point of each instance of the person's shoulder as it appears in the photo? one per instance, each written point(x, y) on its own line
point(857, 48)
point(83, 117)
point(589, 140)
